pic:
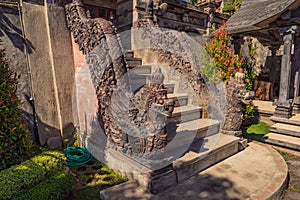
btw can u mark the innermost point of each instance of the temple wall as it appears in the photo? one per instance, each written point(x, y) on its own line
point(63, 65)
point(50, 60)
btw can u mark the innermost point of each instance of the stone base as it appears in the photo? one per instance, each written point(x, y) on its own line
point(216, 148)
point(283, 110)
point(296, 105)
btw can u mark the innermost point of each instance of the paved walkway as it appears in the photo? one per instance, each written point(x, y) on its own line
point(258, 172)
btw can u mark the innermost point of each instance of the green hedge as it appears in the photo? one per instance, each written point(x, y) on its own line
point(14, 137)
point(53, 188)
point(18, 178)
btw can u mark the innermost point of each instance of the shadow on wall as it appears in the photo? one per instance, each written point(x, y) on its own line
point(12, 32)
point(44, 133)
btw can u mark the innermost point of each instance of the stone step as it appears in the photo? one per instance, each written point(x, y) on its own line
point(129, 54)
point(138, 80)
point(294, 120)
point(180, 99)
point(185, 113)
point(140, 69)
point(187, 135)
point(181, 169)
point(217, 148)
point(282, 140)
point(258, 172)
point(134, 61)
point(170, 87)
point(286, 129)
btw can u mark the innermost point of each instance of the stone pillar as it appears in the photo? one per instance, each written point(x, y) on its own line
point(210, 22)
point(272, 73)
point(296, 101)
point(284, 107)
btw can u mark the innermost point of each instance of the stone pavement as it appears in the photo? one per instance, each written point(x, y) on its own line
point(258, 172)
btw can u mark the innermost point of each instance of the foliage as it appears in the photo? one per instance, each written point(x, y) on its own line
point(231, 8)
point(92, 178)
point(18, 178)
point(219, 49)
point(55, 187)
point(249, 111)
point(228, 63)
point(260, 128)
point(14, 137)
point(256, 131)
point(194, 2)
point(228, 8)
point(209, 71)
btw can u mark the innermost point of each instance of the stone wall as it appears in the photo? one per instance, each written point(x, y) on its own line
point(50, 61)
point(35, 27)
point(63, 65)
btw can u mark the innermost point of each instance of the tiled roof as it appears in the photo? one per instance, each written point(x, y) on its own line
point(253, 12)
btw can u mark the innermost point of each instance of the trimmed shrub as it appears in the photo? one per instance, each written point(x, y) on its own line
point(18, 178)
point(14, 137)
point(55, 187)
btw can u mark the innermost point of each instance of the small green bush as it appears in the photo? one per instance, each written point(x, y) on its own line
point(259, 129)
point(55, 187)
point(228, 8)
point(256, 131)
point(18, 178)
point(14, 137)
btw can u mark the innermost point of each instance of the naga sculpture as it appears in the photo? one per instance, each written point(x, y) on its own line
point(236, 96)
point(133, 124)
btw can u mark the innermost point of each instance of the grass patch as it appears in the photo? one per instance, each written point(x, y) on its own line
point(292, 189)
point(285, 155)
point(256, 131)
point(91, 178)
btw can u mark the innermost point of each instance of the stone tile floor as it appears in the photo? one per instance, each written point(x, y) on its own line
point(293, 161)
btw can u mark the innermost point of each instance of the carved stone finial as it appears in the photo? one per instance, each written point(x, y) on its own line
point(240, 76)
point(157, 77)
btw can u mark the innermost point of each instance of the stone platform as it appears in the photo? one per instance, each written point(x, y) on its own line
point(258, 172)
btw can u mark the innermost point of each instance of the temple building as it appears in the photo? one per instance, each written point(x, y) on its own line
point(40, 46)
point(275, 24)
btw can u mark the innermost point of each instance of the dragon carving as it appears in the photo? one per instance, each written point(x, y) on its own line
point(236, 96)
point(133, 123)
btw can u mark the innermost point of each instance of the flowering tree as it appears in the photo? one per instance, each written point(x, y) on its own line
point(219, 50)
point(228, 63)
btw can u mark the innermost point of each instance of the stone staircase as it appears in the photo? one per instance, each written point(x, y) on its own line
point(285, 132)
point(196, 143)
point(139, 74)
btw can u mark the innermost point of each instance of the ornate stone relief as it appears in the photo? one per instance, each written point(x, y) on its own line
point(178, 59)
point(133, 124)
